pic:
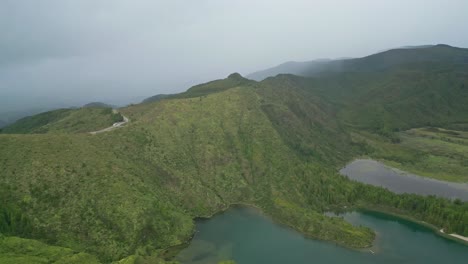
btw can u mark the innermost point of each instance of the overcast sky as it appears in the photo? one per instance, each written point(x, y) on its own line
point(118, 50)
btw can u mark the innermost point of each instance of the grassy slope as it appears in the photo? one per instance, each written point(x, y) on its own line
point(65, 121)
point(396, 99)
point(27, 251)
point(435, 96)
point(433, 152)
point(77, 192)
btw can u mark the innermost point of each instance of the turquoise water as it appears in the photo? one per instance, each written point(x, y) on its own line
point(246, 236)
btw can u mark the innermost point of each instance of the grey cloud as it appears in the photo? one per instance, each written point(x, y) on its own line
point(85, 50)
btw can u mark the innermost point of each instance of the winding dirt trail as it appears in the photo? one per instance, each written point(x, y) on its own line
point(114, 126)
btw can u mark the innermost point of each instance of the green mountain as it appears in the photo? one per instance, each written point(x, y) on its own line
point(131, 194)
point(204, 89)
point(290, 67)
point(429, 94)
point(10, 116)
point(69, 120)
point(374, 63)
point(98, 105)
point(156, 98)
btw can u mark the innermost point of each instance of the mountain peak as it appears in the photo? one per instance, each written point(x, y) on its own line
point(235, 75)
point(444, 45)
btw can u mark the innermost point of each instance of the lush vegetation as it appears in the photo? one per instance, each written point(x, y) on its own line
point(131, 195)
point(80, 120)
point(15, 250)
point(433, 152)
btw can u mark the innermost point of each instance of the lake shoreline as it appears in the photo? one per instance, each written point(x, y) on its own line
point(247, 231)
point(432, 227)
point(386, 211)
point(392, 212)
point(262, 212)
point(383, 211)
point(460, 237)
point(376, 173)
point(400, 169)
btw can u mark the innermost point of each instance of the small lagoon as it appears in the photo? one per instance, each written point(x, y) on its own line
point(375, 173)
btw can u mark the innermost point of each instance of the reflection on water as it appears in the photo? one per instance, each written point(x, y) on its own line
point(246, 236)
point(201, 251)
point(375, 173)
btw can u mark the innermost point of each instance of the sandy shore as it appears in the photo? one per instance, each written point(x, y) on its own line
point(460, 237)
point(456, 235)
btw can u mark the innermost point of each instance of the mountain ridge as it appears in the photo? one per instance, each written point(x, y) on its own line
point(374, 62)
point(66, 120)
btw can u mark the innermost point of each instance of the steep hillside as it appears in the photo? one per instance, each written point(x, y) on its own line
point(27, 251)
point(403, 97)
point(118, 193)
point(65, 121)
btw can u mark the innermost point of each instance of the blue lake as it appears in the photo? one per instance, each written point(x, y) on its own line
point(245, 235)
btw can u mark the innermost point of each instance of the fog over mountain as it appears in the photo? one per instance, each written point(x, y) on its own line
point(68, 53)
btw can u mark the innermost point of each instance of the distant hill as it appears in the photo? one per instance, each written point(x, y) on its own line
point(67, 120)
point(233, 80)
point(398, 98)
point(216, 86)
point(409, 47)
point(11, 116)
point(416, 47)
point(156, 98)
point(290, 67)
point(99, 105)
point(3, 123)
point(376, 62)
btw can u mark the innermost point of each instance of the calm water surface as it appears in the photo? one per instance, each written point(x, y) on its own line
point(246, 236)
point(375, 173)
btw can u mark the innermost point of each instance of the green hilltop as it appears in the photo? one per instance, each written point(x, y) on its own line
point(131, 194)
point(86, 119)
